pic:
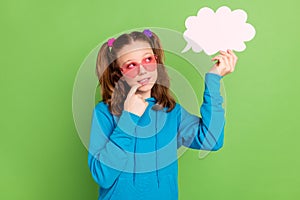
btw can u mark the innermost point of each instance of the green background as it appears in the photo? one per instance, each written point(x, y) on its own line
point(43, 44)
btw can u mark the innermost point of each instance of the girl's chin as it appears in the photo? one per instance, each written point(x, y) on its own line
point(145, 88)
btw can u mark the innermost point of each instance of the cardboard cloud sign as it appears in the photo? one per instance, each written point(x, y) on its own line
point(211, 32)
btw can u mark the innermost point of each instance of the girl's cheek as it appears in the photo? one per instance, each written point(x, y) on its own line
point(131, 81)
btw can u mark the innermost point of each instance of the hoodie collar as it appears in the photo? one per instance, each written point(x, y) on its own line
point(151, 99)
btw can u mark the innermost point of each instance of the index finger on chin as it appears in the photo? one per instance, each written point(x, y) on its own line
point(132, 90)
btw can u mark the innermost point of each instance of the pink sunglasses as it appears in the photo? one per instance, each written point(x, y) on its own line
point(132, 69)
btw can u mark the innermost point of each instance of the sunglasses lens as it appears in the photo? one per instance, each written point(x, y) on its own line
point(149, 63)
point(132, 69)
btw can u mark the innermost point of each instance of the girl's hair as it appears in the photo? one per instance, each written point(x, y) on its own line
point(114, 89)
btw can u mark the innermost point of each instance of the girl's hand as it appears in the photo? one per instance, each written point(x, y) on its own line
point(135, 103)
point(226, 63)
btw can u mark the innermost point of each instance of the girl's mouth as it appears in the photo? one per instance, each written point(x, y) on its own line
point(144, 81)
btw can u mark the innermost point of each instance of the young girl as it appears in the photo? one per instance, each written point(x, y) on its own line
point(137, 127)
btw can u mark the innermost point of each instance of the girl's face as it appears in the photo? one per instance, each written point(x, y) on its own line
point(138, 66)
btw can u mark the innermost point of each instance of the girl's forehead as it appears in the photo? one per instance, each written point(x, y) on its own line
point(135, 49)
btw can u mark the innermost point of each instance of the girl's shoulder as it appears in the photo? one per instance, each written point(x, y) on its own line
point(176, 109)
point(101, 104)
point(102, 107)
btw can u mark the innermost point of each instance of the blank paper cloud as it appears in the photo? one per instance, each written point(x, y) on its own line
point(213, 31)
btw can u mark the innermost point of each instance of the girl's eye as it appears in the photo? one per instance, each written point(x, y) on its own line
point(130, 65)
point(148, 60)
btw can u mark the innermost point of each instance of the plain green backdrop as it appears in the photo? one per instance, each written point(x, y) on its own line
point(43, 44)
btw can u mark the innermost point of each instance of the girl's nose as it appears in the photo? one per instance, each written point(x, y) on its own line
point(142, 70)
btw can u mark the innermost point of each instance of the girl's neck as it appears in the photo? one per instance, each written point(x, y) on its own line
point(145, 95)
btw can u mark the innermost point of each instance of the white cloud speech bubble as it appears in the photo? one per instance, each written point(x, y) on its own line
point(222, 30)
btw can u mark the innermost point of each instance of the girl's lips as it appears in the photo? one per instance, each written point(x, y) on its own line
point(144, 81)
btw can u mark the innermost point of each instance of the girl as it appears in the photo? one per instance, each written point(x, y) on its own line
point(137, 127)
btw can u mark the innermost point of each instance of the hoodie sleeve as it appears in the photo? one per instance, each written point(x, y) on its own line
point(206, 132)
point(110, 145)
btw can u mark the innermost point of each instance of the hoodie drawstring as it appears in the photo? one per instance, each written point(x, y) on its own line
point(134, 159)
point(156, 144)
point(156, 171)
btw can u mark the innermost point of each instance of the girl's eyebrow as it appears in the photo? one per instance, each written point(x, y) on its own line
point(131, 60)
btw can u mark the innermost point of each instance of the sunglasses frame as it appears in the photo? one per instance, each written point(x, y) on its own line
point(132, 73)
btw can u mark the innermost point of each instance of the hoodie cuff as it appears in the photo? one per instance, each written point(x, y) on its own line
point(128, 122)
point(212, 83)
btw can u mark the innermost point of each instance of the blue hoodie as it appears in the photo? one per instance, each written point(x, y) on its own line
point(135, 157)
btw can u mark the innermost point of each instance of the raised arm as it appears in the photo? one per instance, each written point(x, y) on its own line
point(206, 132)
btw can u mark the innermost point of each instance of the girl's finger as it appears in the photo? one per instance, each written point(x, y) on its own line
point(227, 63)
point(224, 53)
point(230, 59)
point(221, 60)
point(233, 55)
point(217, 57)
point(132, 90)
